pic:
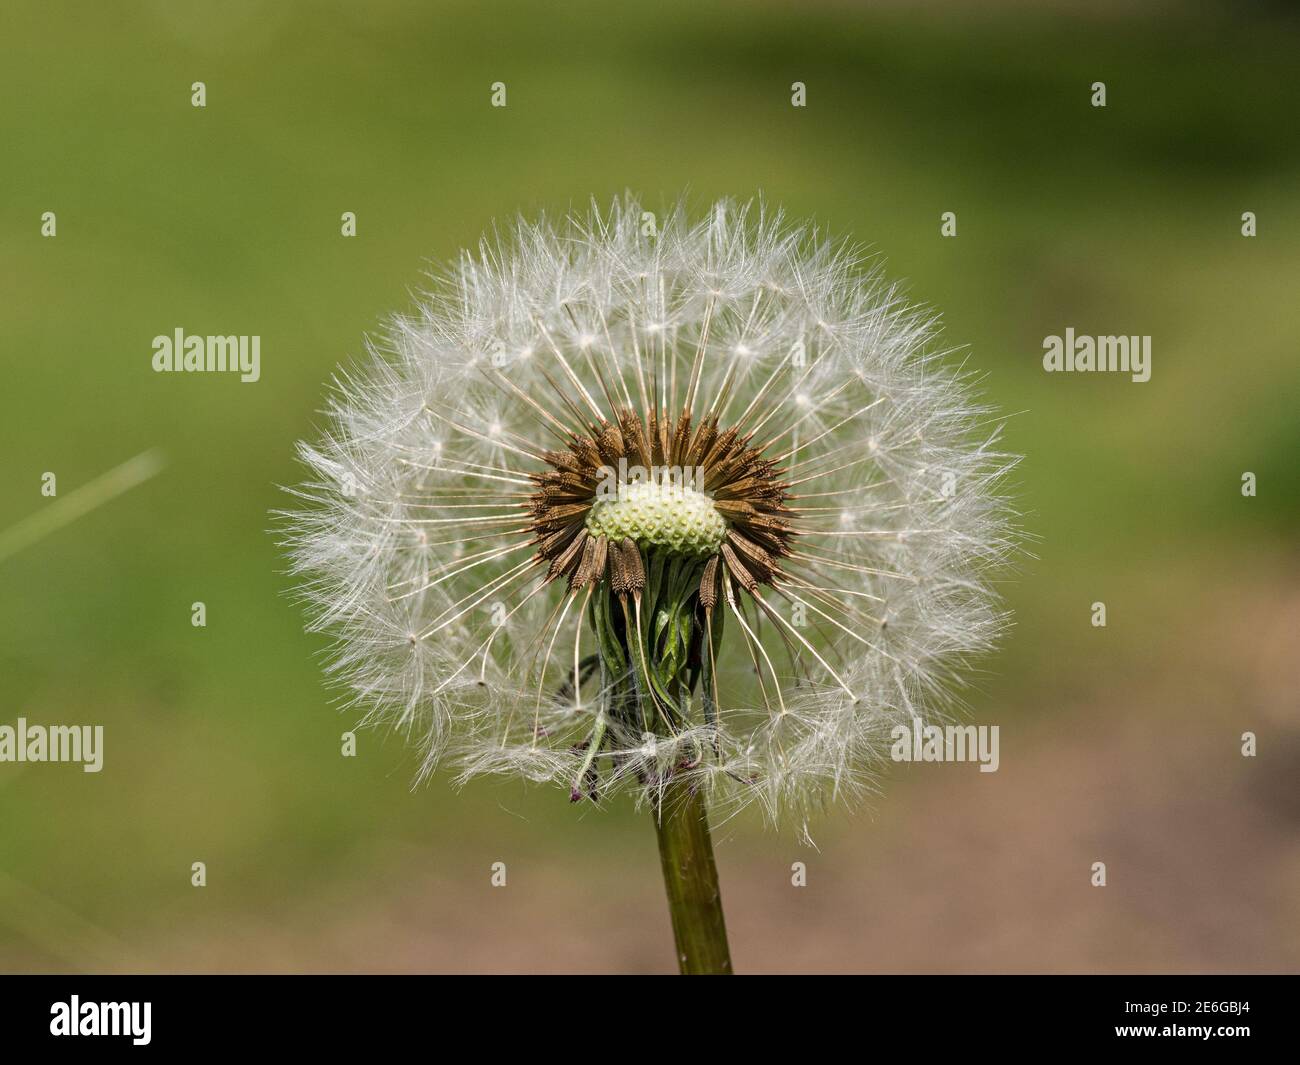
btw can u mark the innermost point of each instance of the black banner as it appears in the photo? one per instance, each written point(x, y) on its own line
point(210, 1013)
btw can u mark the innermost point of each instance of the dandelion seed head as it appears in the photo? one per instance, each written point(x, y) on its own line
point(653, 515)
point(761, 632)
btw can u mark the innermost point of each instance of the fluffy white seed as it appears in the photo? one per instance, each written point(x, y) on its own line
point(410, 544)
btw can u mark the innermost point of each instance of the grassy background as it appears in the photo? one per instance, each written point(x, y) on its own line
point(221, 742)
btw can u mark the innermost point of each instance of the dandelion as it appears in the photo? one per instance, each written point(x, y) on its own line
point(692, 510)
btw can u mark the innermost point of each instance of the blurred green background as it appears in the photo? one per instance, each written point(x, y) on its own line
point(222, 743)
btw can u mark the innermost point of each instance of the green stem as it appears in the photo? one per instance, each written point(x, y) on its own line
point(691, 880)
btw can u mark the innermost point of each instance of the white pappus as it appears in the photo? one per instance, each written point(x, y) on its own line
point(758, 627)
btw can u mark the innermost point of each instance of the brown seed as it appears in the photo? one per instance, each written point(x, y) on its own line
point(737, 568)
point(760, 563)
point(635, 568)
point(709, 584)
point(634, 436)
point(610, 444)
point(681, 438)
point(564, 562)
point(583, 573)
point(619, 580)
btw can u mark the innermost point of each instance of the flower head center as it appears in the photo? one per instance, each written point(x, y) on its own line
point(674, 517)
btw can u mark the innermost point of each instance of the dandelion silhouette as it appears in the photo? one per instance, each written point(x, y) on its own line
point(692, 510)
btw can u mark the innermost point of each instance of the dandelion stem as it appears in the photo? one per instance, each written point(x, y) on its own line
point(691, 880)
